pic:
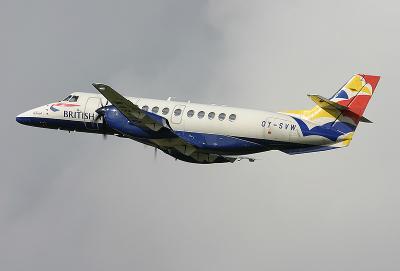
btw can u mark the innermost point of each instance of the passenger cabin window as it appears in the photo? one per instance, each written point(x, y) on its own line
point(201, 114)
point(74, 99)
point(145, 108)
point(177, 112)
point(165, 110)
point(221, 116)
point(190, 113)
point(68, 97)
point(155, 109)
point(232, 117)
point(211, 115)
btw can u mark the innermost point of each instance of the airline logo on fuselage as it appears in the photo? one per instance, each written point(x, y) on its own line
point(79, 115)
point(54, 109)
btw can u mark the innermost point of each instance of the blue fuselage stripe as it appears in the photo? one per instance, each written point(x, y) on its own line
point(219, 144)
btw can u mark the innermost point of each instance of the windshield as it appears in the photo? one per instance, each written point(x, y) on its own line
point(71, 99)
point(74, 99)
point(68, 97)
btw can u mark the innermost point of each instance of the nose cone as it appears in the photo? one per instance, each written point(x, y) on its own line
point(20, 119)
point(25, 118)
point(30, 117)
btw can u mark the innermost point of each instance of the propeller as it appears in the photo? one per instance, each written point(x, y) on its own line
point(100, 115)
point(155, 153)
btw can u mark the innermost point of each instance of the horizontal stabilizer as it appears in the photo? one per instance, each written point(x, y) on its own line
point(327, 104)
point(364, 119)
point(307, 150)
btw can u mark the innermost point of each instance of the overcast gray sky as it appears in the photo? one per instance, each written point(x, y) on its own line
point(77, 202)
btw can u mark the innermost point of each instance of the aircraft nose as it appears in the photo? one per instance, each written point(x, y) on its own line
point(30, 117)
point(24, 118)
point(20, 119)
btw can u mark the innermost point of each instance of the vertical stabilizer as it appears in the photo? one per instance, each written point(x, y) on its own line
point(341, 113)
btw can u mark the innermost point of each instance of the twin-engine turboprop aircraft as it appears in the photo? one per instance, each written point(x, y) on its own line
point(208, 134)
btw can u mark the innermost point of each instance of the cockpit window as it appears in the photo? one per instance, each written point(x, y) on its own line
point(73, 99)
point(68, 97)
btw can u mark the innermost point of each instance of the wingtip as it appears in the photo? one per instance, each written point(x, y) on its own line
point(99, 86)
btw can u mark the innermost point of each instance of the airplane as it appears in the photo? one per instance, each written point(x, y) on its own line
point(206, 134)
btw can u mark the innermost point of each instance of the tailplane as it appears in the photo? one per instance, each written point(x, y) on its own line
point(342, 112)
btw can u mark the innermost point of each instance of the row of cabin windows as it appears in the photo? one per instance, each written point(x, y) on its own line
point(177, 111)
point(190, 113)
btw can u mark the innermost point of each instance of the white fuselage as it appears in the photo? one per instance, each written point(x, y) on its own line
point(201, 133)
point(210, 128)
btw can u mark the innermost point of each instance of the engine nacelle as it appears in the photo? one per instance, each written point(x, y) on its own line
point(115, 120)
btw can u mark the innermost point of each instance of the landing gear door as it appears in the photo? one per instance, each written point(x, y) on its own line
point(276, 129)
point(89, 115)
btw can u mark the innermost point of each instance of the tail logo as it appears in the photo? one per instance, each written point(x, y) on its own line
point(336, 124)
point(357, 86)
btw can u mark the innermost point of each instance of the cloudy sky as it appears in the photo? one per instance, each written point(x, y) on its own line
point(77, 202)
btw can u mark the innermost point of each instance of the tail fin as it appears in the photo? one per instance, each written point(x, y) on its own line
point(356, 93)
point(345, 109)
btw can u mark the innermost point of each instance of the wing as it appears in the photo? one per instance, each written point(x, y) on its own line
point(173, 144)
point(199, 157)
point(148, 120)
point(131, 111)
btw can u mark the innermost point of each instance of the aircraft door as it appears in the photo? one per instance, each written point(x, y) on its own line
point(92, 104)
point(177, 114)
point(276, 129)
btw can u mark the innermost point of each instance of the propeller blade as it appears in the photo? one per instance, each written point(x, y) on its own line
point(100, 114)
point(97, 118)
point(155, 153)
